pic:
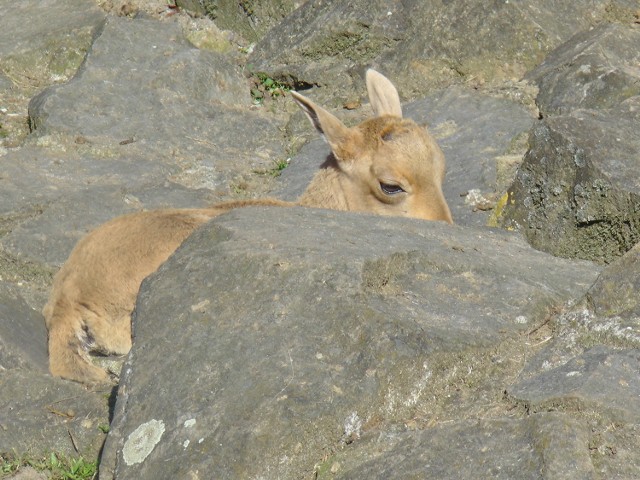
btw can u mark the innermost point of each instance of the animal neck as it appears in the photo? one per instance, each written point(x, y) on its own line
point(326, 190)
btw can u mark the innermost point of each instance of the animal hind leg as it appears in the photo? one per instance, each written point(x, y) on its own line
point(112, 337)
point(68, 357)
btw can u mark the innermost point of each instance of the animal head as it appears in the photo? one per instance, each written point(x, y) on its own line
point(386, 165)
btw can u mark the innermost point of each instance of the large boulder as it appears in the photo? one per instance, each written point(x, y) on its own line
point(596, 69)
point(577, 193)
point(273, 338)
point(166, 90)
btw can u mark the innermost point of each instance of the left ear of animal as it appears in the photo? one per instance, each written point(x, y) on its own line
point(383, 95)
point(340, 138)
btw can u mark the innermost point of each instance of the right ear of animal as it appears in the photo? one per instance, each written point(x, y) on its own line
point(339, 137)
point(383, 95)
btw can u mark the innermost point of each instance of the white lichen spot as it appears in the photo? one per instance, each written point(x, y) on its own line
point(189, 423)
point(574, 373)
point(521, 319)
point(352, 426)
point(200, 307)
point(142, 441)
point(614, 328)
point(185, 444)
point(419, 387)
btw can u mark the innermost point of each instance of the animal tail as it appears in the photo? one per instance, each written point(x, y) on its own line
point(69, 343)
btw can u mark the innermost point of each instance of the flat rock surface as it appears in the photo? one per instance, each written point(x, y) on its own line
point(543, 445)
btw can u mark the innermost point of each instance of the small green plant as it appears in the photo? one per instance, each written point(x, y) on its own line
point(276, 170)
point(58, 466)
point(104, 428)
point(279, 166)
point(267, 86)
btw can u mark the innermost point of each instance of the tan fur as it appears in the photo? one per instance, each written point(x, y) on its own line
point(94, 293)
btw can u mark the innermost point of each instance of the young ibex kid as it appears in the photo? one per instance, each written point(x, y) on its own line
point(385, 165)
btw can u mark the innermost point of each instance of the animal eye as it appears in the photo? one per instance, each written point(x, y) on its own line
point(391, 189)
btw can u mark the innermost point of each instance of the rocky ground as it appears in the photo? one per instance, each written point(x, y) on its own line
point(317, 344)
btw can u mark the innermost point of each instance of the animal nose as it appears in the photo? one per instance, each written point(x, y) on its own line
point(433, 209)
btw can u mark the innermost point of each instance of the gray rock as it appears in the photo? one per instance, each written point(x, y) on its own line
point(607, 315)
point(615, 293)
point(601, 380)
point(54, 37)
point(163, 93)
point(596, 69)
point(252, 19)
point(541, 446)
point(576, 194)
point(427, 45)
point(40, 45)
point(40, 414)
point(300, 326)
point(28, 473)
point(23, 337)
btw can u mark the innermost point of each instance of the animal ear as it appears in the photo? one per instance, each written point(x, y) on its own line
point(332, 129)
point(383, 95)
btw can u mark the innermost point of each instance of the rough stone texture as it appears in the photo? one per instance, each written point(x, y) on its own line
point(367, 347)
point(369, 317)
point(596, 69)
point(577, 192)
point(615, 293)
point(576, 372)
point(23, 335)
point(250, 18)
point(331, 43)
point(41, 414)
point(70, 415)
point(192, 94)
point(599, 380)
point(541, 446)
point(43, 44)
